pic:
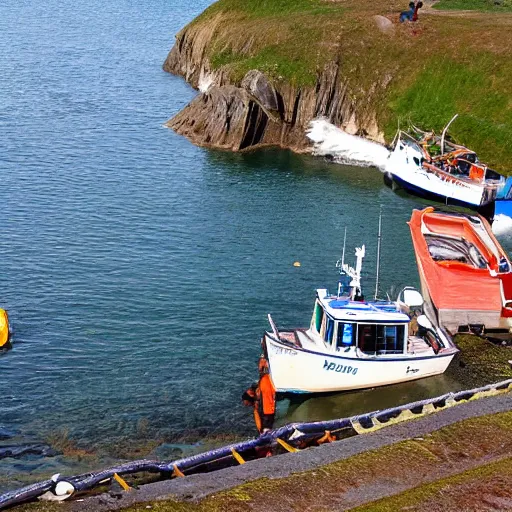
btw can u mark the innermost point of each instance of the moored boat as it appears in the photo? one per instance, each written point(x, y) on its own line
point(430, 166)
point(354, 344)
point(465, 274)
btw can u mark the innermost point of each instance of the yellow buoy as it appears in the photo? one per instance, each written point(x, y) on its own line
point(4, 329)
point(296, 263)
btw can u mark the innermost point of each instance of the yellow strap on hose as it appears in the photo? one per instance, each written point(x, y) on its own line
point(121, 482)
point(286, 446)
point(326, 438)
point(237, 456)
point(177, 471)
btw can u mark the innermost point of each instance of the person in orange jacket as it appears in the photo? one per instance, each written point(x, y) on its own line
point(262, 396)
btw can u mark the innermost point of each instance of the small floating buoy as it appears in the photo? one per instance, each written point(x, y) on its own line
point(296, 263)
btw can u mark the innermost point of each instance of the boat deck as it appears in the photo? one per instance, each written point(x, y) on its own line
point(416, 345)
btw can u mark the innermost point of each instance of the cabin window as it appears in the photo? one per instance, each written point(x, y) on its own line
point(367, 339)
point(319, 316)
point(381, 339)
point(329, 330)
point(346, 336)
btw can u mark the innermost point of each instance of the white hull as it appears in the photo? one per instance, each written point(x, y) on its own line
point(297, 370)
point(402, 165)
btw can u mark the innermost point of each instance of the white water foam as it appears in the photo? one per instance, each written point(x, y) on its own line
point(205, 81)
point(344, 148)
point(502, 225)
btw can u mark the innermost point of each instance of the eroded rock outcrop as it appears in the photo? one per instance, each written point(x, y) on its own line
point(226, 117)
point(257, 111)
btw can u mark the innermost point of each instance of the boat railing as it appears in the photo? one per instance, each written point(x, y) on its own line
point(448, 175)
point(273, 327)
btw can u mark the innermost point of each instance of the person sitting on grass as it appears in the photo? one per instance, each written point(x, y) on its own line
point(412, 13)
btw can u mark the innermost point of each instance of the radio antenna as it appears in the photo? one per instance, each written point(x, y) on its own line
point(342, 261)
point(344, 242)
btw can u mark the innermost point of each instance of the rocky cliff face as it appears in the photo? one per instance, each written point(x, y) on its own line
point(256, 111)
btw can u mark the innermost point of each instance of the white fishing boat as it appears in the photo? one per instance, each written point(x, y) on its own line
point(433, 167)
point(354, 344)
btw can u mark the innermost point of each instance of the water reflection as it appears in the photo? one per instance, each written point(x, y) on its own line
point(342, 405)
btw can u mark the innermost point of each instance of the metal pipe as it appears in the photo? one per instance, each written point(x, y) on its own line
point(445, 130)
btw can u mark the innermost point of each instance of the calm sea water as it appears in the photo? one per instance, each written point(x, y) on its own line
point(138, 269)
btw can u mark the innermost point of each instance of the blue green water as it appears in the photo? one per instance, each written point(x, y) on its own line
point(138, 269)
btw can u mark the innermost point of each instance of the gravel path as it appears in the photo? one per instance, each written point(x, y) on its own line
point(198, 486)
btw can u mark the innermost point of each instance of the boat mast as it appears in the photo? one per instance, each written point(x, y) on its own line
point(378, 255)
point(342, 260)
point(444, 132)
point(344, 243)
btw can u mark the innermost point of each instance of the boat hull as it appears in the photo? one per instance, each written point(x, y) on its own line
point(430, 195)
point(404, 167)
point(296, 370)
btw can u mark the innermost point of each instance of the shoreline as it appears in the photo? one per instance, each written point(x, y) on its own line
point(488, 412)
point(195, 489)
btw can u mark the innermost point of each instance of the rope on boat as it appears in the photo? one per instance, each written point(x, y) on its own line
point(302, 435)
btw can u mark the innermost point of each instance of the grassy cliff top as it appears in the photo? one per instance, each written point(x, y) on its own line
point(449, 62)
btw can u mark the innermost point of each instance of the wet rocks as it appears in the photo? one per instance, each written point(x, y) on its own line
point(22, 450)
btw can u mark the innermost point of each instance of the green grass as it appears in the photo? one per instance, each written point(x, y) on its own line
point(283, 38)
point(275, 61)
point(447, 87)
point(281, 8)
point(448, 493)
point(475, 5)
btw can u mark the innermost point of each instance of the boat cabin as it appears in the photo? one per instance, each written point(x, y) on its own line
point(374, 328)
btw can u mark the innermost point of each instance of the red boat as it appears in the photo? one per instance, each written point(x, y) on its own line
point(465, 273)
